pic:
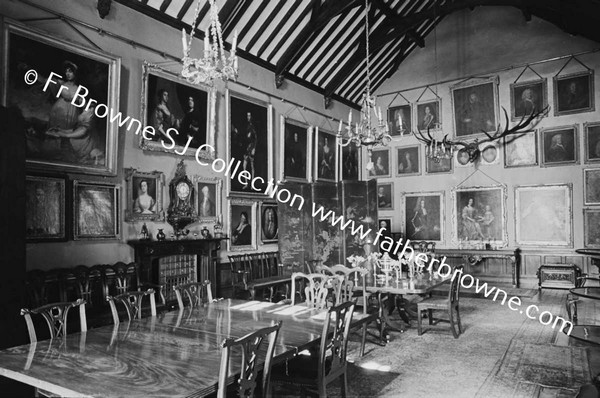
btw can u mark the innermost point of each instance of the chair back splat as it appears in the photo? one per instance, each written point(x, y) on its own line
point(313, 289)
point(251, 345)
point(133, 304)
point(55, 315)
point(196, 293)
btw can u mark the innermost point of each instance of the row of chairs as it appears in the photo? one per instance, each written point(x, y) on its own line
point(246, 268)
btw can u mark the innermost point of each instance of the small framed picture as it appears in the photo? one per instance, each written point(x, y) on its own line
point(429, 115)
point(294, 150)
point(521, 150)
point(560, 146)
point(408, 161)
point(443, 165)
point(591, 230)
point(387, 224)
point(574, 93)
point(399, 119)
point(528, 97)
point(95, 210)
point(591, 142)
point(242, 225)
point(381, 163)
point(591, 187)
point(385, 196)
point(45, 209)
point(490, 153)
point(144, 195)
point(326, 160)
point(350, 164)
point(209, 198)
point(269, 226)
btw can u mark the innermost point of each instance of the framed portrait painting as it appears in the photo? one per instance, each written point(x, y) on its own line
point(350, 164)
point(326, 156)
point(527, 98)
point(543, 215)
point(269, 226)
point(591, 142)
point(480, 215)
point(385, 196)
point(387, 224)
point(574, 93)
point(521, 150)
point(475, 107)
point(144, 195)
point(424, 216)
point(181, 115)
point(560, 146)
point(242, 225)
point(380, 159)
point(60, 135)
point(249, 143)
point(408, 161)
point(399, 119)
point(591, 228)
point(95, 210)
point(295, 150)
point(591, 187)
point(45, 209)
point(428, 115)
point(209, 201)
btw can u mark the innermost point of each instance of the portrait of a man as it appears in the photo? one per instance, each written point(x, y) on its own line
point(428, 115)
point(474, 109)
point(423, 215)
point(350, 162)
point(295, 158)
point(559, 146)
point(45, 208)
point(574, 93)
point(269, 227)
point(408, 161)
point(381, 163)
point(326, 161)
point(206, 200)
point(592, 142)
point(521, 151)
point(384, 196)
point(399, 119)
point(528, 97)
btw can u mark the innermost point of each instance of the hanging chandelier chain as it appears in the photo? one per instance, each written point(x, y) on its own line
point(367, 47)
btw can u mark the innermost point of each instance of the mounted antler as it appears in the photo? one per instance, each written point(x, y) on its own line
point(472, 148)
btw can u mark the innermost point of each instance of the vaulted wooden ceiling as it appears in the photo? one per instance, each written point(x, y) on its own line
point(321, 43)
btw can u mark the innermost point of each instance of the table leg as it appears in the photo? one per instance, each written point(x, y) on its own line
point(386, 308)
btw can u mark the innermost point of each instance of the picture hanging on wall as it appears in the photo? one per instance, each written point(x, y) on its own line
point(242, 224)
point(351, 161)
point(560, 146)
point(249, 142)
point(428, 115)
point(480, 215)
point(591, 187)
point(381, 163)
point(424, 216)
point(295, 155)
point(209, 198)
point(387, 224)
point(269, 225)
point(59, 134)
point(475, 107)
point(591, 234)
point(591, 142)
point(144, 195)
point(182, 115)
point(543, 215)
point(521, 151)
point(408, 161)
point(327, 152)
point(95, 210)
point(399, 119)
point(574, 93)
point(385, 196)
point(45, 209)
point(528, 97)
point(444, 165)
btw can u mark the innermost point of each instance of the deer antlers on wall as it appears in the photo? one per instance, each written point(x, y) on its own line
point(444, 148)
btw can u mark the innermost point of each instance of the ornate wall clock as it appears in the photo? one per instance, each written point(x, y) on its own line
point(181, 210)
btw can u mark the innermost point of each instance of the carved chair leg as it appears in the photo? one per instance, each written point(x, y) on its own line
point(344, 386)
point(458, 319)
point(363, 340)
point(419, 320)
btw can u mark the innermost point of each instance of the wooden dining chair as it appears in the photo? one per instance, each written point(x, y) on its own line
point(449, 304)
point(314, 373)
point(133, 304)
point(353, 287)
point(313, 289)
point(55, 315)
point(196, 293)
point(252, 347)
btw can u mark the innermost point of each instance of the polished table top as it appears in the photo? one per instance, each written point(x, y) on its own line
point(589, 292)
point(418, 285)
point(586, 333)
point(174, 354)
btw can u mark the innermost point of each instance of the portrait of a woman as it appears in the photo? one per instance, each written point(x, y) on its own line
point(242, 233)
point(144, 203)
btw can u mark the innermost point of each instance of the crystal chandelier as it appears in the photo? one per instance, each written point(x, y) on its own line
point(214, 64)
point(372, 129)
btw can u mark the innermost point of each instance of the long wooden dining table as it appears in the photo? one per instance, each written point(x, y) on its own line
point(176, 353)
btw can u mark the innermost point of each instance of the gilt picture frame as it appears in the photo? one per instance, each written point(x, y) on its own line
point(475, 107)
point(591, 187)
point(295, 154)
point(326, 159)
point(559, 145)
point(591, 142)
point(242, 238)
point(424, 216)
point(527, 97)
point(521, 151)
point(179, 116)
point(574, 93)
point(144, 195)
point(209, 200)
point(50, 116)
point(95, 210)
point(591, 228)
point(45, 204)
point(269, 223)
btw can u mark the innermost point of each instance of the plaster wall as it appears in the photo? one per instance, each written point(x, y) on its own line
point(138, 27)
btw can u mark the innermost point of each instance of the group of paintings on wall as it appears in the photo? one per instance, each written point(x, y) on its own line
point(252, 222)
point(94, 215)
point(591, 216)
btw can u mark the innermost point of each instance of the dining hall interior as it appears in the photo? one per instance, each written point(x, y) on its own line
point(363, 198)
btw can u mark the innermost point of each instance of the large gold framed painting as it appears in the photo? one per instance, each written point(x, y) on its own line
point(53, 82)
